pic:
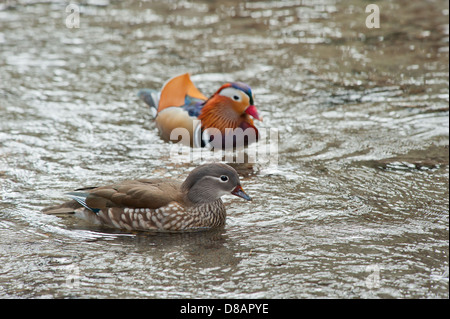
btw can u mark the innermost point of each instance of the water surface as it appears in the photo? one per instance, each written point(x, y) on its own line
point(357, 206)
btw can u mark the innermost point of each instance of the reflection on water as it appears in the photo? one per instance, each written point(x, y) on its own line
point(357, 206)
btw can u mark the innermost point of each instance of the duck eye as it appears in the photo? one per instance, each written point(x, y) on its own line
point(235, 97)
point(224, 178)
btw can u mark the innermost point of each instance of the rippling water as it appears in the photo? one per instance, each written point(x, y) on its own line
point(357, 206)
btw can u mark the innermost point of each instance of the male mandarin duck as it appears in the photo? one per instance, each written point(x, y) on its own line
point(181, 105)
point(158, 204)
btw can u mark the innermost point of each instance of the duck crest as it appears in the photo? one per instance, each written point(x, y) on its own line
point(244, 88)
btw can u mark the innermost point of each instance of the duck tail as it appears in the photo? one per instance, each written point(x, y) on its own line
point(151, 98)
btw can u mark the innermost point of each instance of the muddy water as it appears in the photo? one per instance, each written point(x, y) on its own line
point(356, 207)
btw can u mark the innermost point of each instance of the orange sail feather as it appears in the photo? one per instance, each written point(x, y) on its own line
point(175, 90)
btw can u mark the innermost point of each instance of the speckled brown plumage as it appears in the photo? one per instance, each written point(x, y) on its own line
point(158, 204)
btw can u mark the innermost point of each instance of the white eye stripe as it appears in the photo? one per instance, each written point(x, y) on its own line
point(222, 178)
point(232, 93)
point(219, 178)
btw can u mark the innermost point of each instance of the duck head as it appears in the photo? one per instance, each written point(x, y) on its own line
point(209, 182)
point(231, 105)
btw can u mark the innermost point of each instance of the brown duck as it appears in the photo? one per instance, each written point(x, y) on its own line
point(158, 204)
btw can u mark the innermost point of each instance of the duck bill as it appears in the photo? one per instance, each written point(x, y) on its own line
point(252, 111)
point(238, 191)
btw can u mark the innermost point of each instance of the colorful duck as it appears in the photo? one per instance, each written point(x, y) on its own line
point(183, 113)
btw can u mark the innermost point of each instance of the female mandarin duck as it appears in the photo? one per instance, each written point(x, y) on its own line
point(158, 204)
point(224, 120)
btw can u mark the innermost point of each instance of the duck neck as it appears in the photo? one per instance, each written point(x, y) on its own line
point(219, 115)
